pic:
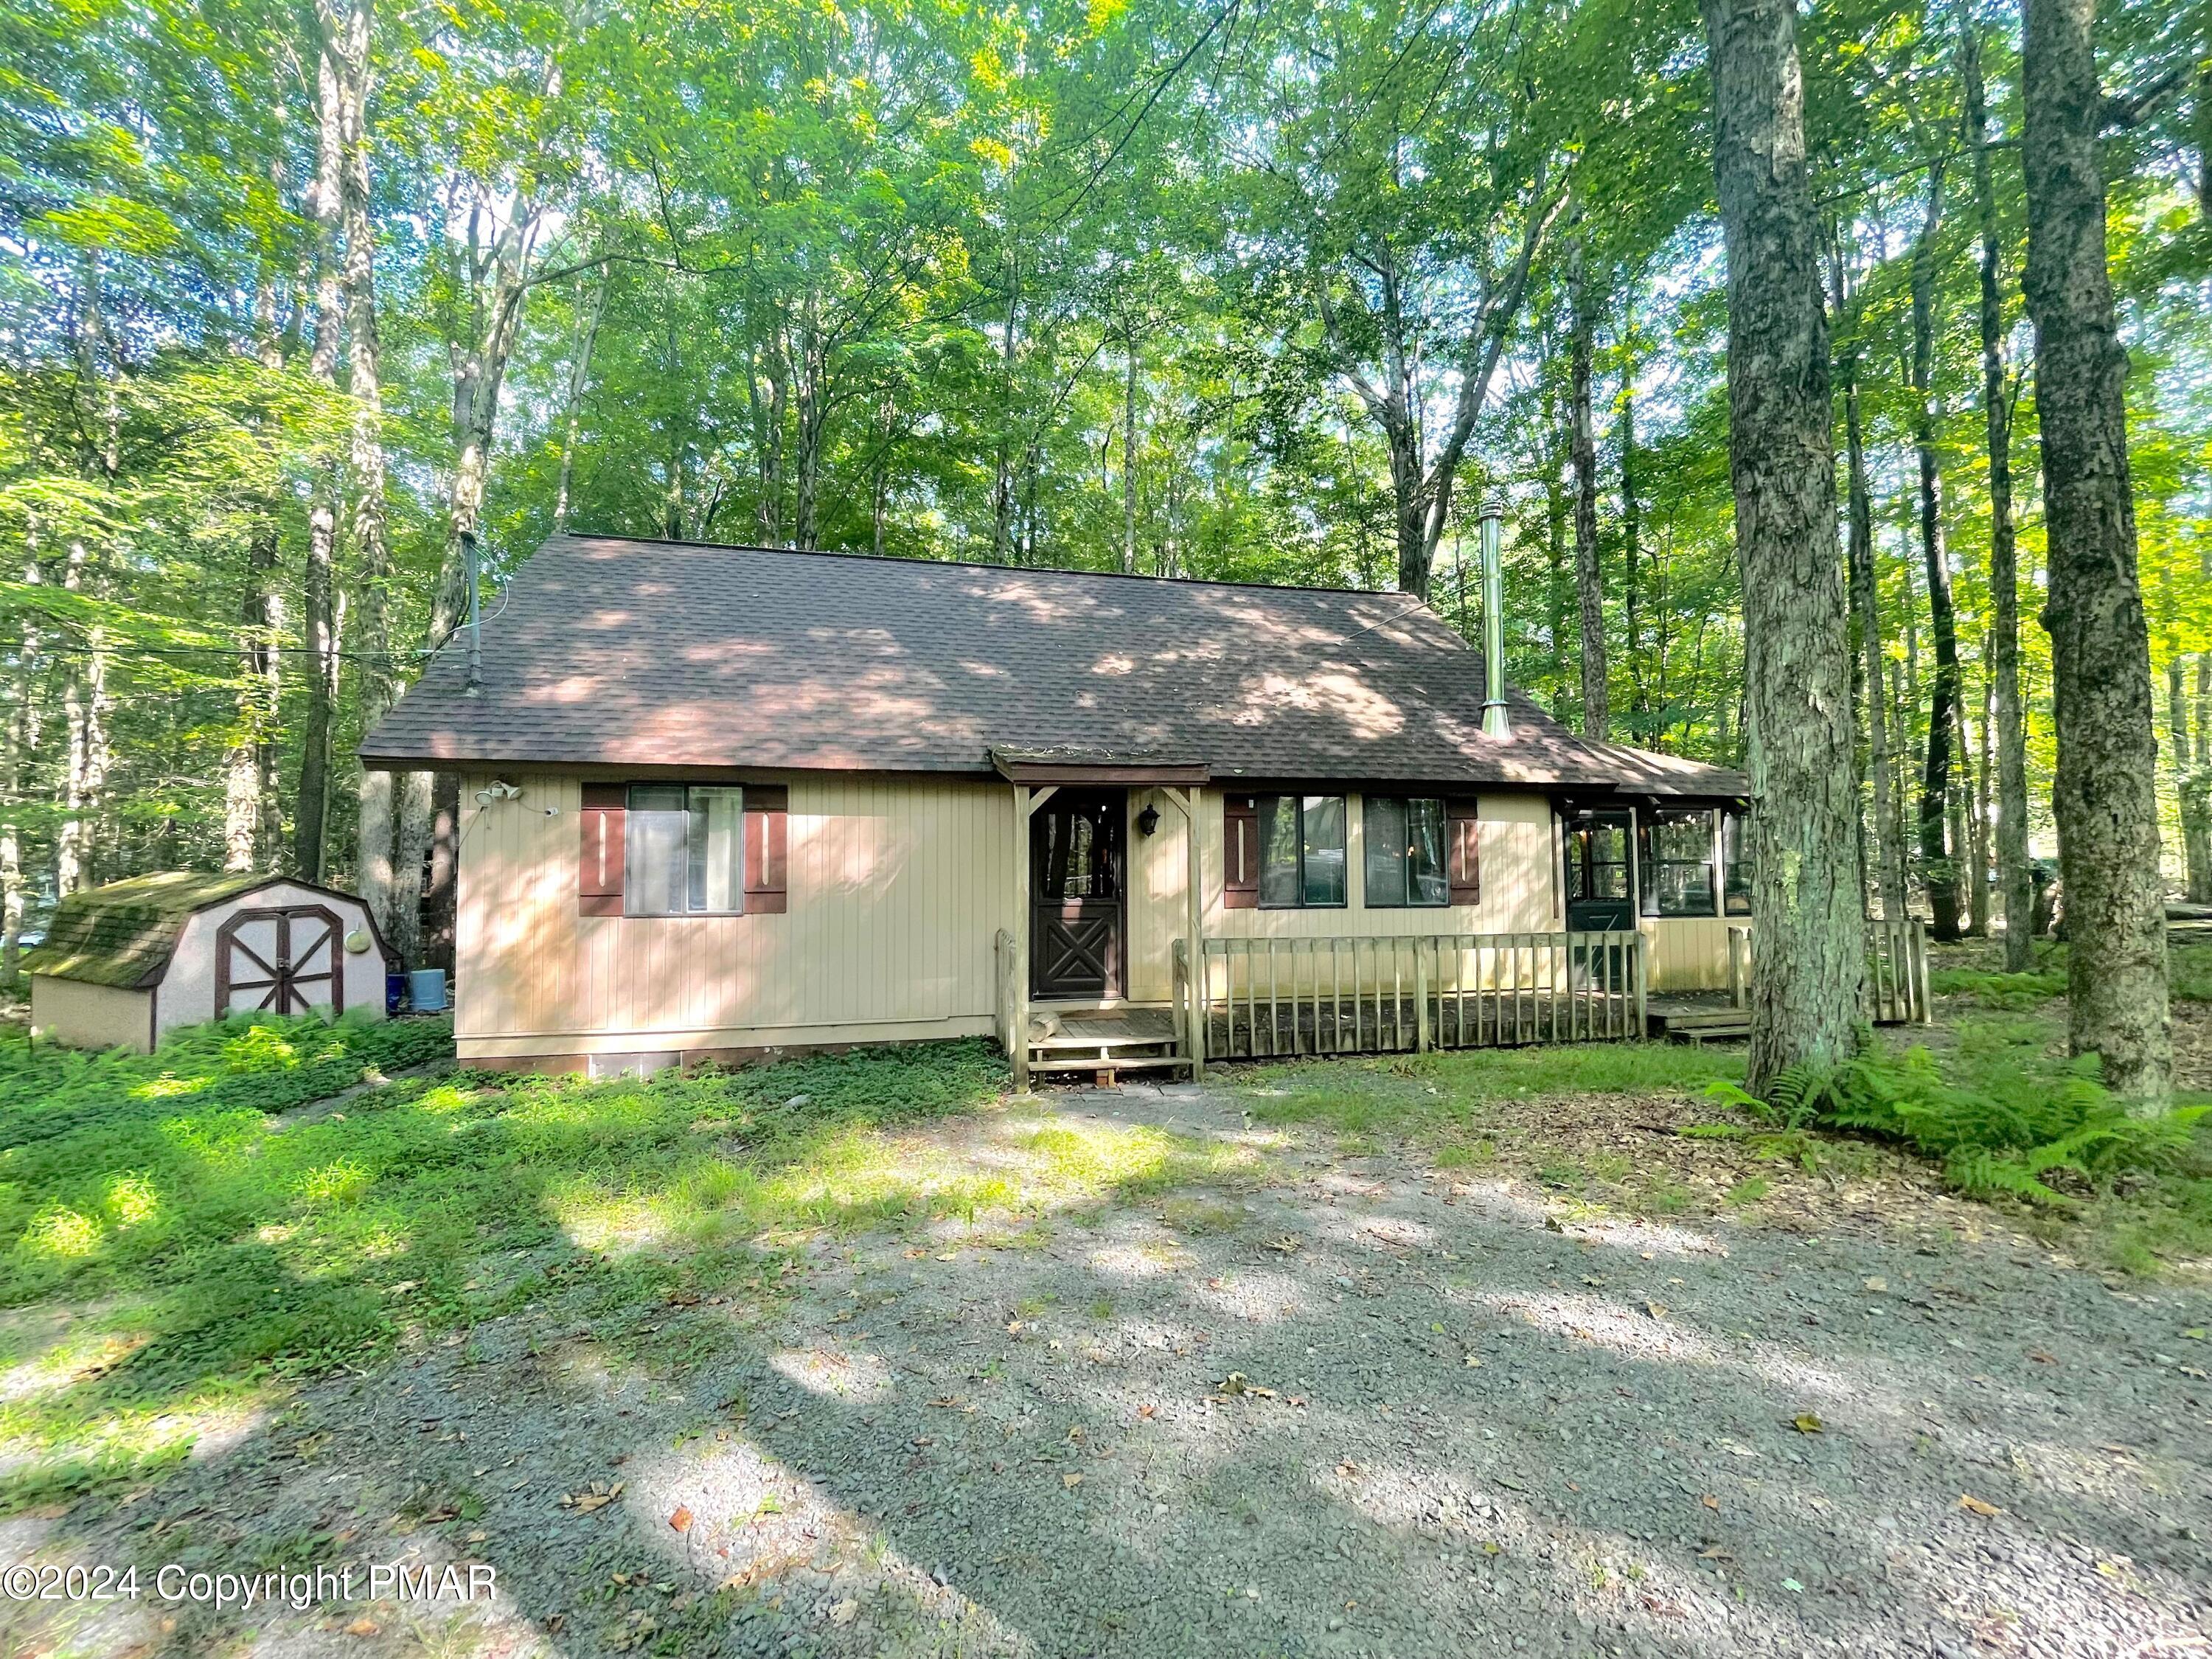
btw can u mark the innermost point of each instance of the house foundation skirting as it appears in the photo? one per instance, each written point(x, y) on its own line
point(650, 1050)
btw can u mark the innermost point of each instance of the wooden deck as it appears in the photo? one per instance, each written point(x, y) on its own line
point(1697, 1016)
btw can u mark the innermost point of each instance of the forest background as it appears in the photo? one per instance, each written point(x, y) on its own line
point(298, 302)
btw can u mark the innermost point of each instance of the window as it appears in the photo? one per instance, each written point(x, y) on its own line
point(1301, 852)
point(1597, 858)
point(1677, 855)
point(684, 850)
point(1736, 863)
point(1405, 852)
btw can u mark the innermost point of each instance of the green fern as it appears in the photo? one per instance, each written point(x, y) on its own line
point(2003, 1138)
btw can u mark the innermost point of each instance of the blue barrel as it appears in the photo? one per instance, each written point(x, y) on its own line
point(426, 989)
point(395, 991)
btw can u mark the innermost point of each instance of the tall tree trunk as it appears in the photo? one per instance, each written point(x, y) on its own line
point(1938, 858)
point(2105, 796)
point(1129, 463)
point(1979, 848)
point(318, 587)
point(1866, 605)
point(580, 375)
point(2014, 877)
point(1809, 970)
point(249, 793)
point(1642, 724)
point(22, 740)
point(1582, 455)
point(375, 681)
point(2196, 792)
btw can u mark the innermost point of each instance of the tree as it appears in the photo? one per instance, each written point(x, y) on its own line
point(2104, 796)
point(2014, 877)
point(1809, 963)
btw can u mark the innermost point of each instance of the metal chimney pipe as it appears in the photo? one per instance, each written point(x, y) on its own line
point(1495, 722)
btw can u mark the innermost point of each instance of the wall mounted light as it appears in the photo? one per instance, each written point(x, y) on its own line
point(1148, 820)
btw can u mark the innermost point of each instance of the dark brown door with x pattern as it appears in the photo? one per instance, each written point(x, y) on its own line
point(284, 961)
point(1076, 894)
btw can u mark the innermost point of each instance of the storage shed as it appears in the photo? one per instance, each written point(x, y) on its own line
point(124, 964)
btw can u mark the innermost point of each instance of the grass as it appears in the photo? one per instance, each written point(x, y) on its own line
point(176, 1250)
point(2189, 974)
point(1438, 1098)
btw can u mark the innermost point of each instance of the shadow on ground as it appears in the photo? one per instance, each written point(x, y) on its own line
point(1326, 1406)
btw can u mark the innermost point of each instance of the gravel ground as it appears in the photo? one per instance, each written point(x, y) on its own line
point(1332, 1406)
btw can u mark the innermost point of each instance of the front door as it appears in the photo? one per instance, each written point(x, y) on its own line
point(1600, 884)
point(1076, 894)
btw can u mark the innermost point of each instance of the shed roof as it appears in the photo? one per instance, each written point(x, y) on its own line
point(606, 651)
point(123, 933)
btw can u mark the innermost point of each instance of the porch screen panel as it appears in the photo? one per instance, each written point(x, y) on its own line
point(1678, 862)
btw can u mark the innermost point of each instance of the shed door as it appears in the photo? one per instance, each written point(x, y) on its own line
point(284, 961)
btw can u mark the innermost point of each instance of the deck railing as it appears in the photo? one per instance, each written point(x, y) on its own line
point(1267, 998)
point(1897, 970)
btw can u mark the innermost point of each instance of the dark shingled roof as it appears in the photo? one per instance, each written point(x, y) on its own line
point(122, 934)
point(619, 653)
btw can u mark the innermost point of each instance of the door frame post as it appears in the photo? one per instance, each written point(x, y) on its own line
point(1186, 802)
point(1026, 802)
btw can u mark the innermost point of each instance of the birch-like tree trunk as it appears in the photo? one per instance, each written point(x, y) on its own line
point(1642, 722)
point(1582, 459)
point(1938, 855)
point(1809, 965)
point(2014, 879)
point(1866, 606)
point(580, 375)
point(2104, 795)
point(376, 680)
point(318, 585)
point(1978, 890)
point(1129, 459)
point(22, 742)
point(2196, 792)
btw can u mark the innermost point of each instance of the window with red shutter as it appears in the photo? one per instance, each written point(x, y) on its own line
point(767, 813)
point(1463, 854)
point(1240, 853)
point(599, 872)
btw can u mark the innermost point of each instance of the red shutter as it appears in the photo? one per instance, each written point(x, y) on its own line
point(1463, 852)
point(1240, 853)
point(599, 872)
point(766, 813)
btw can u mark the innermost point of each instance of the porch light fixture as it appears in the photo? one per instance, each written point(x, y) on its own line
point(1148, 820)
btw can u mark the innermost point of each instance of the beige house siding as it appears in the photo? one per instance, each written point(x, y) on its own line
point(1518, 893)
point(897, 890)
point(1688, 953)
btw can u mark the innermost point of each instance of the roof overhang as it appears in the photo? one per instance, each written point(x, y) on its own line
point(1082, 766)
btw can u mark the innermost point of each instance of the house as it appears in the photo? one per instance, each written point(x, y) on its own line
point(124, 963)
point(723, 801)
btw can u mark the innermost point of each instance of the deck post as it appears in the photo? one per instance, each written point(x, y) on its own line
point(1026, 802)
point(1186, 801)
point(1420, 998)
point(1018, 1000)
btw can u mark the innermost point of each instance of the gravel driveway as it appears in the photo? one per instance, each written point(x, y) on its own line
point(1328, 1406)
